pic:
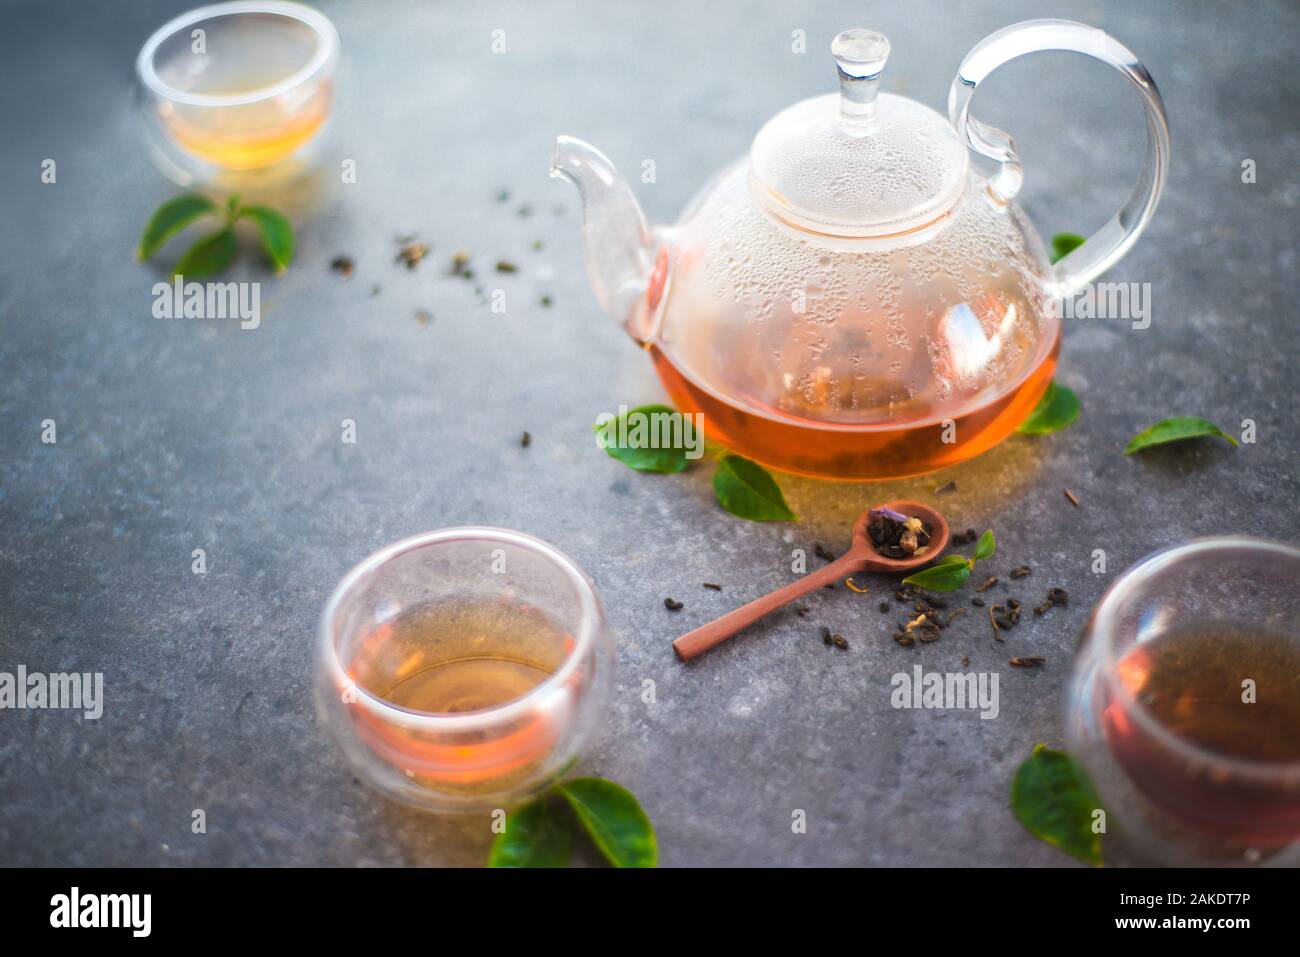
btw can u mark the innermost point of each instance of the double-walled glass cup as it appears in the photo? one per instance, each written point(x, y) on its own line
point(238, 94)
point(491, 756)
point(1184, 704)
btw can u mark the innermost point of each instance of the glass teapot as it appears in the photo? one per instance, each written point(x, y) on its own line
point(852, 300)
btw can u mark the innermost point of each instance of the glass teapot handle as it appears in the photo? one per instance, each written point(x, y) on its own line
point(1106, 246)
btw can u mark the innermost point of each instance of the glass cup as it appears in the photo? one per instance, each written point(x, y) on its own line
point(238, 93)
point(492, 756)
point(1184, 704)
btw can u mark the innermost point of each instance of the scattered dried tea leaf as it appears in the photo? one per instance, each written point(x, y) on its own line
point(546, 301)
point(916, 622)
point(505, 265)
point(1027, 661)
point(412, 253)
point(1006, 616)
point(1055, 596)
point(672, 604)
point(712, 587)
point(1070, 496)
point(343, 265)
point(1021, 571)
point(423, 317)
point(525, 440)
point(925, 626)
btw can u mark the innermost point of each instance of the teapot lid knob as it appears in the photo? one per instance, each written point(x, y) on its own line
point(860, 57)
point(860, 163)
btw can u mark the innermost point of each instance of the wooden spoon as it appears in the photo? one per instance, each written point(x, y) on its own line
point(861, 557)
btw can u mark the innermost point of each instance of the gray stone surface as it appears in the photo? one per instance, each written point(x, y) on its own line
point(181, 435)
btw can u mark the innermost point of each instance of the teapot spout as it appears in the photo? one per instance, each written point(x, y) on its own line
point(620, 249)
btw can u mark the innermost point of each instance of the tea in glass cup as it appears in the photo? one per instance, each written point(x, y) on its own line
point(464, 668)
point(237, 87)
point(1185, 703)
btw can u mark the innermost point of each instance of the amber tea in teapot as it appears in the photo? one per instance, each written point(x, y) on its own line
point(852, 299)
point(842, 405)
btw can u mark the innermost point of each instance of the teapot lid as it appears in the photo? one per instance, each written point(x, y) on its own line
point(859, 163)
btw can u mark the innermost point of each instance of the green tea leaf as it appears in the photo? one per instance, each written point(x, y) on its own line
point(169, 219)
point(1175, 430)
point(536, 835)
point(1056, 410)
point(1065, 243)
point(276, 233)
point(1053, 798)
point(946, 577)
point(986, 546)
point(637, 427)
point(210, 255)
point(746, 489)
point(953, 559)
point(616, 822)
